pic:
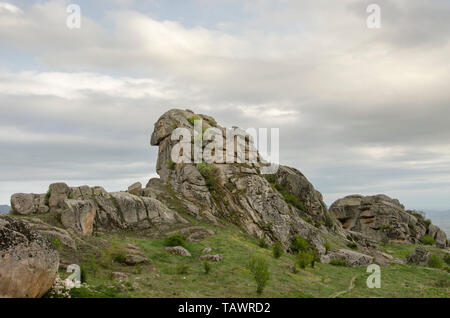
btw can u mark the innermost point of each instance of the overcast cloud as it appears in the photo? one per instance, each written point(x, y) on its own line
point(359, 110)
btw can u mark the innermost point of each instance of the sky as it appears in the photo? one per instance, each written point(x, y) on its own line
point(360, 110)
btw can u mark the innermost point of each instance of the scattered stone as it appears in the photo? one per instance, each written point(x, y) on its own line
point(119, 276)
point(207, 250)
point(212, 258)
point(134, 259)
point(177, 250)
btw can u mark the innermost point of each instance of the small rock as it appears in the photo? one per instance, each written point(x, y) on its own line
point(207, 250)
point(119, 276)
point(132, 246)
point(133, 259)
point(178, 250)
point(212, 258)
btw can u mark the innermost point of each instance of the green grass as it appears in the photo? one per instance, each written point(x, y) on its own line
point(232, 277)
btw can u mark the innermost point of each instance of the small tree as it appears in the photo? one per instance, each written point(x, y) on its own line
point(277, 250)
point(304, 259)
point(206, 266)
point(260, 269)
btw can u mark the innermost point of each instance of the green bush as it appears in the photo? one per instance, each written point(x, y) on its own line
point(262, 243)
point(115, 252)
point(182, 269)
point(300, 244)
point(435, 261)
point(327, 247)
point(57, 242)
point(260, 269)
point(170, 165)
point(175, 240)
point(447, 259)
point(206, 267)
point(277, 250)
point(338, 262)
point(427, 240)
point(193, 119)
point(208, 172)
point(352, 245)
point(304, 258)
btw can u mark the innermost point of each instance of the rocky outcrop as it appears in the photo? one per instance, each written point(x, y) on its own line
point(236, 190)
point(27, 203)
point(84, 209)
point(381, 218)
point(28, 261)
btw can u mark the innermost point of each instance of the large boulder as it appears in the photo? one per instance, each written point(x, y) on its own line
point(380, 218)
point(28, 261)
point(439, 236)
point(28, 203)
point(420, 256)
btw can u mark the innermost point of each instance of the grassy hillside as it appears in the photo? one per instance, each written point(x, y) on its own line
point(173, 276)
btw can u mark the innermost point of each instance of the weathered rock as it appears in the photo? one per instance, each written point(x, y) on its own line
point(58, 193)
point(439, 236)
point(135, 188)
point(177, 250)
point(28, 261)
point(26, 204)
point(135, 259)
point(380, 218)
point(207, 250)
point(79, 216)
point(212, 258)
point(352, 258)
point(420, 256)
point(51, 232)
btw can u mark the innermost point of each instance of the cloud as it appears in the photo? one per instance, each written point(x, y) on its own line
point(359, 110)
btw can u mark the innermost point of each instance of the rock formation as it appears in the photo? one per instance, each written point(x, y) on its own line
point(381, 218)
point(28, 261)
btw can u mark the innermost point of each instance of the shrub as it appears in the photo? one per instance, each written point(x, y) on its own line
point(57, 242)
point(170, 165)
point(300, 244)
point(277, 250)
point(193, 119)
point(328, 222)
point(206, 267)
point(435, 261)
point(352, 245)
point(208, 172)
point(427, 240)
point(260, 269)
point(175, 240)
point(447, 259)
point(116, 252)
point(327, 247)
point(182, 269)
point(304, 258)
point(338, 262)
point(262, 243)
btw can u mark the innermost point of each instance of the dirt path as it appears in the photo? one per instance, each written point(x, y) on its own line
point(352, 285)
